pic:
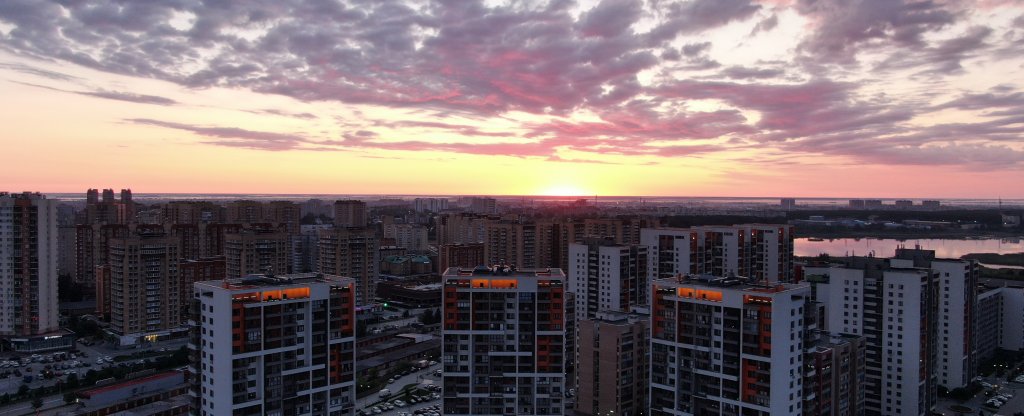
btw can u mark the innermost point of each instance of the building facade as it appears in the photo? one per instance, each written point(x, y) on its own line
point(28, 264)
point(280, 345)
point(723, 346)
point(504, 341)
point(763, 252)
point(604, 275)
point(612, 365)
point(352, 252)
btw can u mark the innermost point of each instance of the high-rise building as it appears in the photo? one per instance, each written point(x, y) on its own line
point(413, 237)
point(605, 275)
point(834, 365)
point(612, 364)
point(723, 346)
point(527, 244)
point(894, 306)
point(198, 270)
point(244, 212)
point(762, 252)
point(352, 252)
point(281, 345)
point(144, 285)
point(504, 341)
point(430, 204)
point(28, 264)
point(787, 203)
point(350, 213)
point(462, 228)
point(460, 255)
point(483, 205)
point(257, 251)
point(91, 249)
point(193, 212)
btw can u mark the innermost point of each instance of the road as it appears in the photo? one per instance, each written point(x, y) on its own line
point(416, 377)
point(25, 408)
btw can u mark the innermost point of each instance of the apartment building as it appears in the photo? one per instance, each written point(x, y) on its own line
point(460, 255)
point(763, 252)
point(144, 285)
point(350, 213)
point(605, 275)
point(725, 346)
point(612, 364)
point(262, 250)
point(28, 264)
point(352, 252)
point(282, 345)
point(895, 306)
point(504, 341)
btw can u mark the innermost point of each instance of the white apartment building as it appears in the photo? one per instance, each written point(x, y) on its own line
point(762, 252)
point(605, 276)
point(274, 346)
point(894, 306)
point(725, 346)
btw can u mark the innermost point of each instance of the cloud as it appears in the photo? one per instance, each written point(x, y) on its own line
point(32, 70)
point(626, 78)
point(111, 95)
point(231, 136)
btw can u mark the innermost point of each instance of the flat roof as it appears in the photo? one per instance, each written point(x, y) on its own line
point(732, 283)
point(129, 383)
point(502, 271)
point(258, 281)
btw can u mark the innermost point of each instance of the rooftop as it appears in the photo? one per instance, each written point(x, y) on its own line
point(502, 271)
point(257, 281)
point(732, 283)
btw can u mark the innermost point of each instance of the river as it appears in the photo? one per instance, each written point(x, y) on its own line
point(886, 247)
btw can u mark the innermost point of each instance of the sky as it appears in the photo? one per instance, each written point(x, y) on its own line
point(812, 98)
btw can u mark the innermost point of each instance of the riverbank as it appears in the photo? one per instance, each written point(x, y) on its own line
point(996, 259)
point(832, 234)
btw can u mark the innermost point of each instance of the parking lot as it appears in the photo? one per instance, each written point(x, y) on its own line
point(425, 401)
point(999, 397)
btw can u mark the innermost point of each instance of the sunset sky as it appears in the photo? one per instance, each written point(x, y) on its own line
point(826, 98)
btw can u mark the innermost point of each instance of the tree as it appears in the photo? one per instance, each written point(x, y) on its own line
point(23, 390)
point(72, 381)
point(69, 398)
point(37, 403)
point(405, 314)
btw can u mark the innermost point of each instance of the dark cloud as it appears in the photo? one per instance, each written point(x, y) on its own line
point(844, 27)
point(765, 25)
point(111, 95)
point(130, 97)
point(231, 136)
point(31, 70)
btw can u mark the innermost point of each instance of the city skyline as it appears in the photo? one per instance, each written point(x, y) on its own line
point(712, 98)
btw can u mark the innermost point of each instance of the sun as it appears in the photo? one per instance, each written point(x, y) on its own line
point(565, 190)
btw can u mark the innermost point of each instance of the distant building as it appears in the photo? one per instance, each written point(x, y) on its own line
point(350, 213)
point(483, 205)
point(352, 252)
point(904, 203)
point(931, 204)
point(411, 236)
point(857, 203)
point(281, 345)
point(763, 252)
point(430, 204)
point(788, 203)
point(513, 359)
point(872, 203)
point(460, 255)
point(406, 265)
point(257, 251)
point(28, 264)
